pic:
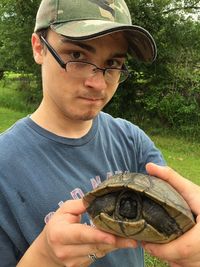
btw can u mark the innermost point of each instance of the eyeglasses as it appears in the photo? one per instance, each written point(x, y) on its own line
point(84, 69)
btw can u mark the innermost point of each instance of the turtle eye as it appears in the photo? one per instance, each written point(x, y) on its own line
point(128, 208)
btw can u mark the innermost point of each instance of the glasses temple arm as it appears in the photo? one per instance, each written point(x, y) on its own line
point(53, 52)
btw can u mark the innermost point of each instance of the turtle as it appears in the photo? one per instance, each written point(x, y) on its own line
point(139, 206)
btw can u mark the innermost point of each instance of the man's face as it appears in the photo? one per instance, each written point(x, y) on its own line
point(70, 95)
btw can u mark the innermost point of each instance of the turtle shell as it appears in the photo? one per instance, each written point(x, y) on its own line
point(139, 206)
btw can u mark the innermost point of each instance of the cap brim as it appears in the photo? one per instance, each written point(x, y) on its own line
point(141, 43)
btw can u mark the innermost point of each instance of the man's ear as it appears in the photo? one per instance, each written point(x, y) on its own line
point(38, 48)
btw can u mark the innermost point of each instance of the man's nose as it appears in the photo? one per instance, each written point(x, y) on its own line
point(96, 81)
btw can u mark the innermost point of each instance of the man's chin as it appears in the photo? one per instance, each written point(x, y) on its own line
point(85, 116)
point(88, 117)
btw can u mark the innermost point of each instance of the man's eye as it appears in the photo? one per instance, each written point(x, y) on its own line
point(113, 63)
point(76, 55)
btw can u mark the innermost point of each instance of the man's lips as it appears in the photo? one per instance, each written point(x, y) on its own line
point(92, 98)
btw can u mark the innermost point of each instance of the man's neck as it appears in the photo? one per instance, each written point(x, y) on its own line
point(60, 125)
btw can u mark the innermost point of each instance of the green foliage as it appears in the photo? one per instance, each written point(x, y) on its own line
point(15, 94)
point(8, 117)
point(166, 91)
point(16, 27)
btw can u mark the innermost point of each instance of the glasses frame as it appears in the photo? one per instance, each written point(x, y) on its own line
point(63, 65)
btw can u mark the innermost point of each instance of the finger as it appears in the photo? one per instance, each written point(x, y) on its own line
point(182, 185)
point(172, 264)
point(189, 191)
point(159, 251)
point(100, 250)
point(85, 234)
point(68, 252)
point(75, 207)
point(78, 254)
point(178, 250)
point(81, 250)
point(125, 243)
point(90, 258)
point(82, 234)
point(168, 174)
point(70, 212)
point(85, 261)
point(78, 261)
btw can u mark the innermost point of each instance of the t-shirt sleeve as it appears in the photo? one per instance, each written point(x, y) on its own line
point(147, 152)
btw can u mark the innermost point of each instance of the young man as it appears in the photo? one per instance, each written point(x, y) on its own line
point(50, 159)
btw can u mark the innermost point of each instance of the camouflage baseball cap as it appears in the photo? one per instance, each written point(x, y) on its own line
point(88, 19)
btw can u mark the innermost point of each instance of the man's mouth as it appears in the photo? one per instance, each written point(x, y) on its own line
point(92, 98)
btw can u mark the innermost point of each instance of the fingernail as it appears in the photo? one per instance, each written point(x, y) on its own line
point(109, 240)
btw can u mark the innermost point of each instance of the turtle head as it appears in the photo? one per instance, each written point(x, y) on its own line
point(128, 206)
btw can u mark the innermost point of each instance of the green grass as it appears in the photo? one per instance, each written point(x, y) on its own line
point(154, 262)
point(13, 102)
point(182, 155)
point(8, 117)
point(11, 98)
point(18, 93)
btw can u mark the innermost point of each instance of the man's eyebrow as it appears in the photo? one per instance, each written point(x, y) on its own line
point(80, 44)
point(91, 48)
point(120, 55)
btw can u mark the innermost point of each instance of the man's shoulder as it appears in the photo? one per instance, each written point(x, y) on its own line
point(107, 120)
point(9, 139)
point(13, 129)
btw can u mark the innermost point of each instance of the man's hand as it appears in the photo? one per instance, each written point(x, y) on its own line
point(66, 242)
point(185, 250)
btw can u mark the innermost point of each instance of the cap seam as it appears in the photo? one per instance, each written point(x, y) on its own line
point(57, 6)
point(80, 19)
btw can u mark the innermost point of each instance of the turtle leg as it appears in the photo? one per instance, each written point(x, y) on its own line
point(155, 215)
point(105, 203)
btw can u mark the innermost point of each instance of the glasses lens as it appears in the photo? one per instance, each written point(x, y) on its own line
point(80, 69)
point(124, 76)
point(116, 75)
point(112, 75)
point(86, 69)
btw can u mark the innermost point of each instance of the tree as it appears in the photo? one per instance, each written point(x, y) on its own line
point(16, 26)
point(167, 90)
point(17, 20)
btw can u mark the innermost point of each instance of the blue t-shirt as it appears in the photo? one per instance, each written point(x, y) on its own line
point(40, 170)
